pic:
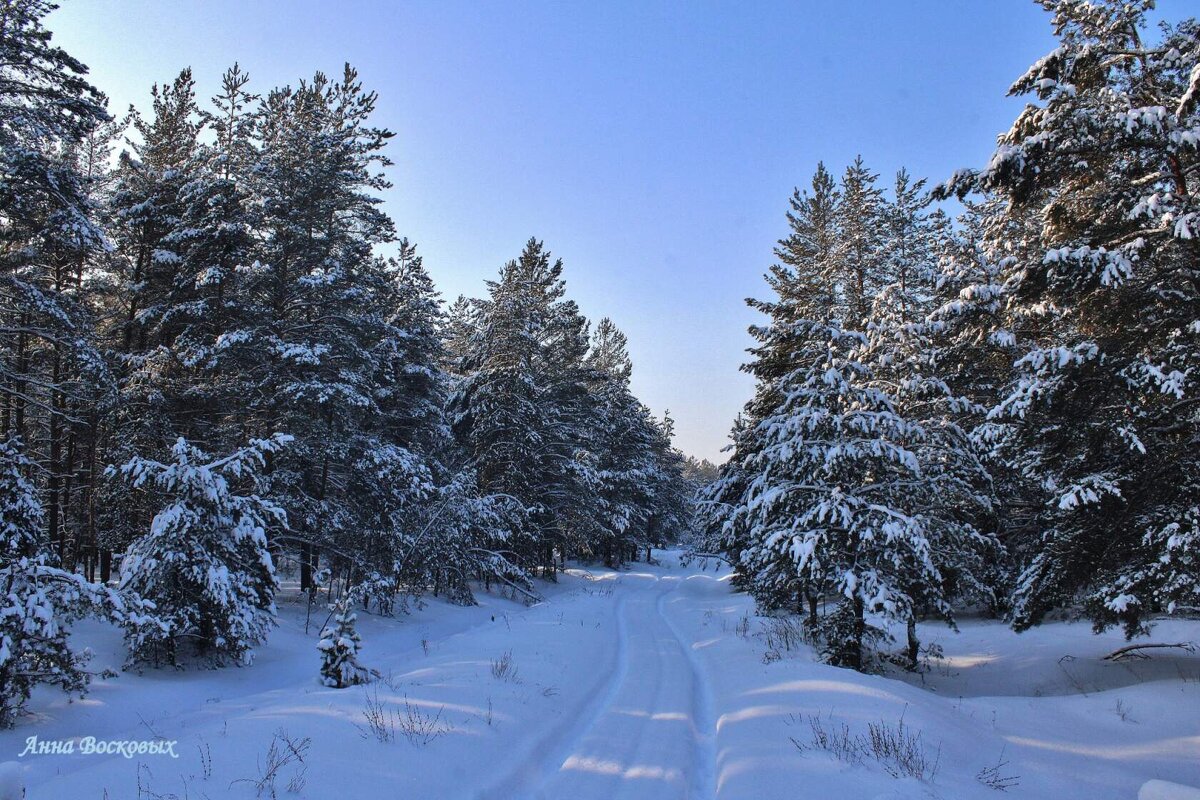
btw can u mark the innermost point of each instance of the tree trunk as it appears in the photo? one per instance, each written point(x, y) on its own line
point(860, 630)
point(55, 534)
point(914, 645)
point(306, 571)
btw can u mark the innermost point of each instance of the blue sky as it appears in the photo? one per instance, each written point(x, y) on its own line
point(652, 145)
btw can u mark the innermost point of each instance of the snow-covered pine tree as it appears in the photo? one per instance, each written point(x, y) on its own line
point(318, 318)
point(973, 355)
point(1103, 307)
point(829, 505)
point(204, 564)
point(144, 209)
point(521, 411)
point(670, 512)
point(847, 477)
point(40, 600)
point(621, 440)
point(339, 650)
point(857, 251)
point(396, 479)
point(643, 500)
point(147, 208)
point(207, 304)
point(49, 365)
point(476, 529)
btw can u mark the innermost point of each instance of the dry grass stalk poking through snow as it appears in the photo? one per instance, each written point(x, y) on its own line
point(386, 723)
point(897, 748)
point(283, 751)
point(994, 778)
point(503, 668)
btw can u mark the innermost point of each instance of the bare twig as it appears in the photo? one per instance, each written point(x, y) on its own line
point(1132, 651)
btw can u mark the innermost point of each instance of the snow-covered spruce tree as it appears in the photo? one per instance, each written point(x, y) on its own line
point(797, 280)
point(204, 564)
point(1104, 309)
point(339, 651)
point(39, 599)
point(951, 491)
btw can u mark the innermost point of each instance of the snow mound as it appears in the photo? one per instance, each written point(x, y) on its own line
point(1164, 790)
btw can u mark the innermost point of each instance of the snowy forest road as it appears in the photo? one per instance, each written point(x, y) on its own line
point(656, 681)
point(647, 730)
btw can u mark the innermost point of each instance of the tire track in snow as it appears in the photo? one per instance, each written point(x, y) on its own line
point(544, 759)
point(703, 780)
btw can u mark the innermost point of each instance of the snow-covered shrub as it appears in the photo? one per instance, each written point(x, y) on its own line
point(40, 600)
point(339, 651)
point(204, 565)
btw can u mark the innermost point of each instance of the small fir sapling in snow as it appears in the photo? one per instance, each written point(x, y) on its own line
point(40, 600)
point(339, 650)
point(204, 564)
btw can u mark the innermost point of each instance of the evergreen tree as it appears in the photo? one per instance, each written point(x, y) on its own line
point(522, 409)
point(40, 599)
point(1101, 303)
point(208, 304)
point(339, 651)
point(49, 363)
point(317, 323)
point(204, 565)
point(860, 270)
point(803, 288)
point(671, 508)
point(951, 489)
point(972, 354)
point(621, 440)
point(145, 210)
point(850, 477)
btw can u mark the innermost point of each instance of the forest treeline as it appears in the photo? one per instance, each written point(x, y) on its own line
point(209, 371)
point(999, 411)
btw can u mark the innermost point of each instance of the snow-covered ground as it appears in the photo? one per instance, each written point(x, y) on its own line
point(645, 683)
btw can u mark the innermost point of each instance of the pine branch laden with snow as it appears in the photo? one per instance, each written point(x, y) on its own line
point(203, 567)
